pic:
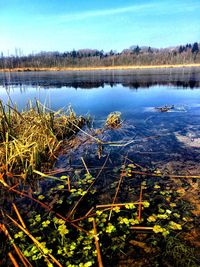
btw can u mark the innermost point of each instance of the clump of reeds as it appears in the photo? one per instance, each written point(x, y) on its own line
point(30, 139)
point(113, 120)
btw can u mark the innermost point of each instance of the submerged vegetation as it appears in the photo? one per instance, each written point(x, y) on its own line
point(139, 219)
point(67, 226)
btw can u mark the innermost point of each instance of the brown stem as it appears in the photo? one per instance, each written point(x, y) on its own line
point(13, 260)
point(140, 205)
point(100, 263)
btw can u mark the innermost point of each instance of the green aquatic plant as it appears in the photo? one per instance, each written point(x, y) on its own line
point(152, 218)
point(65, 230)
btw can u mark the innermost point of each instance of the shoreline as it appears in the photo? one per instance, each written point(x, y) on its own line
point(132, 67)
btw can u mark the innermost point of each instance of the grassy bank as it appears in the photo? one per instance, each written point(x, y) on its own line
point(135, 67)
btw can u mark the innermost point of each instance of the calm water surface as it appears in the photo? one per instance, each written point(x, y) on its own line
point(170, 140)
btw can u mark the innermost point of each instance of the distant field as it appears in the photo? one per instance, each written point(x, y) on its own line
point(101, 68)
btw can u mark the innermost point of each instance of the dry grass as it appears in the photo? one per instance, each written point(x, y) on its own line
point(30, 139)
point(113, 120)
point(126, 67)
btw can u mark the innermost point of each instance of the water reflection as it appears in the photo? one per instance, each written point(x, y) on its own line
point(187, 78)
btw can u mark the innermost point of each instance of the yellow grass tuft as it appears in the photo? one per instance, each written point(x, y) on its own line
point(30, 139)
point(113, 120)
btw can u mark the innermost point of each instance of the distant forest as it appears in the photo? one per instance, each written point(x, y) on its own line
point(135, 55)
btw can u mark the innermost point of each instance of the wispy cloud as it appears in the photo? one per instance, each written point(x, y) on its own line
point(105, 12)
point(165, 7)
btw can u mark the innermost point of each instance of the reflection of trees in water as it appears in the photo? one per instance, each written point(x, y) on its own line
point(185, 84)
point(91, 85)
point(187, 78)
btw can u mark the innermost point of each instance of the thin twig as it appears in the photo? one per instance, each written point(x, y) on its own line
point(117, 191)
point(68, 184)
point(140, 206)
point(85, 165)
point(141, 228)
point(117, 205)
point(89, 211)
point(99, 259)
point(137, 165)
point(167, 175)
point(120, 144)
point(84, 217)
point(13, 259)
point(89, 215)
point(13, 187)
point(96, 139)
point(19, 216)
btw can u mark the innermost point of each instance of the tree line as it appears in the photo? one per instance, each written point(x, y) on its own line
point(135, 55)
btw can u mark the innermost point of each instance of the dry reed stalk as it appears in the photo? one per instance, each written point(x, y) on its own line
point(2, 181)
point(91, 136)
point(88, 215)
point(13, 187)
point(117, 205)
point(83, 218)
point(99, 259)
point(117, 191)
point(167, 175)
point(140, 205)
point(13, 259)
point(137, 165)
point(57, 171)
point(120, 144)
point(18, 215)
point(89, 211)
point(85, 165)
point(46, 175)
point(141, 228)
point(68, 184)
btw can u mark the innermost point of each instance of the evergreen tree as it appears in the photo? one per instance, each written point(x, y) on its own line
point(137, 49)
point(195, 48)
point(180, 49)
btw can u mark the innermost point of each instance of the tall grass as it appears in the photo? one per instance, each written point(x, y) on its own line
point(31, 138)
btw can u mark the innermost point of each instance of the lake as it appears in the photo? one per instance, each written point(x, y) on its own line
point(169, 141)
point(133, 164)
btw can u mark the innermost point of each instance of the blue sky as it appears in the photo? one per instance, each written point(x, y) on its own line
point(63, 25)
